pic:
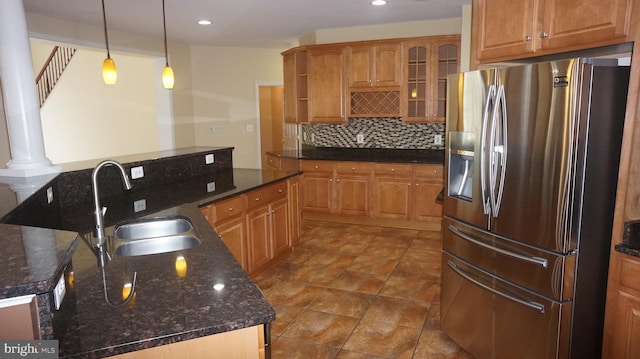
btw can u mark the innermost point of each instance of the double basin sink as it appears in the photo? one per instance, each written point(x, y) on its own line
point(153, 236)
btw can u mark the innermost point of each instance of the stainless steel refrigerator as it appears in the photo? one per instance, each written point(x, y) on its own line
point(532, 166)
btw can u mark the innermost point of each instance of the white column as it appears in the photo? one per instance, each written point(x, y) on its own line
point(20, 97)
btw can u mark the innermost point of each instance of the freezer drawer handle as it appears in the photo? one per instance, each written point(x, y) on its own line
point(533, 305)
point(535, 260)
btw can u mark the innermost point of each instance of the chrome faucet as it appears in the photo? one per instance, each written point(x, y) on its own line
point(98, 233)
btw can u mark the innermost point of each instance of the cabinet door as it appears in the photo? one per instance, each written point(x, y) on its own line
point(289, 90)
point(352, 194)
point(445, 60)
point(259, 253)
point(279, 221)
point(425, 199)
point(359, 66)
point(506, 28)
point(627, 318)
point(416, 91)
point(326, 85)
point(568, 23)
point(391, 197)
point(233, 234)
point(317, 192)
point(388, 65)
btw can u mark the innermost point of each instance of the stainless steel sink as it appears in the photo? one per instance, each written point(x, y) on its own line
point(154, 235)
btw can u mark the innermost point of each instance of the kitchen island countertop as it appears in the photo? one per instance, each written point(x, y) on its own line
point(213, 295)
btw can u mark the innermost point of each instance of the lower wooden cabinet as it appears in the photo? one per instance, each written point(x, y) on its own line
point(622, 319)
point(258, 226)
point(234, 235)
point(268, 233)
point(395, 191)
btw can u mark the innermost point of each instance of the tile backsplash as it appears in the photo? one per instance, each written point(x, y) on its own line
point(377, 133)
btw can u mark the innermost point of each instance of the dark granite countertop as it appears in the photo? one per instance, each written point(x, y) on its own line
point(365, 155)
point(630, 239)
point(166, 308)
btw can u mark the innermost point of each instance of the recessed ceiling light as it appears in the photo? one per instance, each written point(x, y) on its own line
point(379, 2)
point(204, 22)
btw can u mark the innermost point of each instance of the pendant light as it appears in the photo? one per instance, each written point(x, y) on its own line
point(109, 72)
point(167, 72)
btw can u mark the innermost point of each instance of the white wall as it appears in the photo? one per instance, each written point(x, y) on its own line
point(85, 119)
point(224, 96)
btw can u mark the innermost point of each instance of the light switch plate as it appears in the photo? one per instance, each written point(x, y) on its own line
point(59, 291)
point(437, 139)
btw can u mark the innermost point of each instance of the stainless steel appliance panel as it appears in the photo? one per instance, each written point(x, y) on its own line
point(506, 322)
point(538, 270)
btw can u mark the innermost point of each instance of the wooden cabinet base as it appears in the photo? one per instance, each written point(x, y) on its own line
point(432, 224)
point(237, 344)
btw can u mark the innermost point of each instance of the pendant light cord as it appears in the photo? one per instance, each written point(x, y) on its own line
point(106, 37)
point(164, 25)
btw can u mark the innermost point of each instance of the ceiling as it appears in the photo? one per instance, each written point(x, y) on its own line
point(243, 23)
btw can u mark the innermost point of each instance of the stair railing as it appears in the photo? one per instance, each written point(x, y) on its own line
point(52, 70)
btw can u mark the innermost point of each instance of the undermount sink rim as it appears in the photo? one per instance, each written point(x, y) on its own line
point(160, 242)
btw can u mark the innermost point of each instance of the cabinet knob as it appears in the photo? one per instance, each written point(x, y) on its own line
point(353, 168)
point(316, 166)
point(230, 208)
point(280, 190)
point(527, 38)
point(338, 180)
point(544, 35)
point(257, 199)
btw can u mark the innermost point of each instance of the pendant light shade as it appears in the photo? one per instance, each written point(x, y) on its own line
point(109, 72)
point(167, 72)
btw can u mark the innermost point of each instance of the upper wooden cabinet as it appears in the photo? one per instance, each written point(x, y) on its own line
point(427, 62)
point(295, 86)
point(507, 29)
point(374, 66)
point(326, 84)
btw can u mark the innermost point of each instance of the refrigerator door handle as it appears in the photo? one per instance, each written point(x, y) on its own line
point(533, 305)
point(531, 259)
point(497, 145)
point(484, 161)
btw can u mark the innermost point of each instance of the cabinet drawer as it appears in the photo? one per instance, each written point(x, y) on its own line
point(429, 171)
point(393, 169)
point(316, 166)
point(228, 208)
point(353, 167)
point(267, 194)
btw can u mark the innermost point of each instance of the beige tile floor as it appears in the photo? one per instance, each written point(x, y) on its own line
point(353, 291)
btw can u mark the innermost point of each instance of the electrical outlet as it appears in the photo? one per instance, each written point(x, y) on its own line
point(360, 138)
point(249, 128)
point(49, 195)
point(437, 139)
point(139, 205)
point(209, 159)
point(137, 172)
point(59, 291)
point(211, 186)
point(215, 129)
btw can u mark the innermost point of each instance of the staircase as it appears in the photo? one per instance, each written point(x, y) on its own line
point(52, 70)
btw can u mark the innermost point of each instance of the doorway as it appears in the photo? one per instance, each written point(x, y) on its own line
point(275, 134)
